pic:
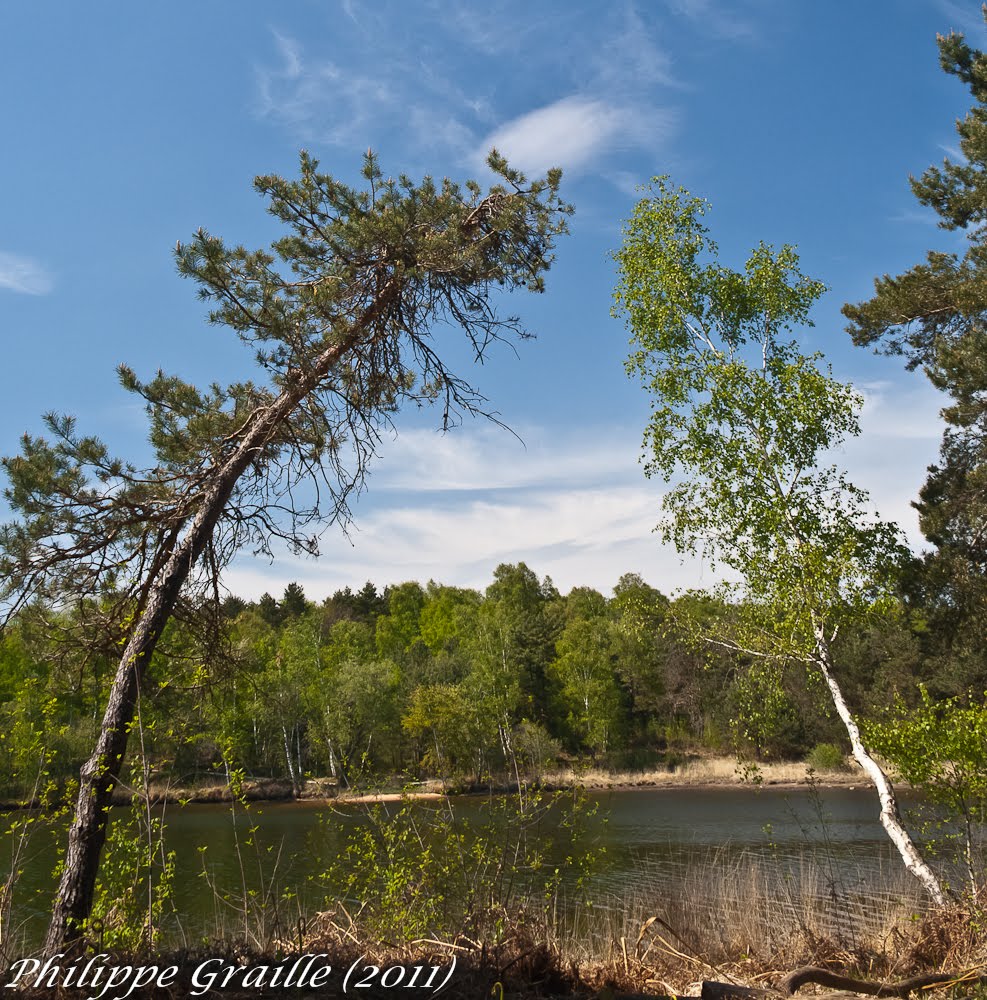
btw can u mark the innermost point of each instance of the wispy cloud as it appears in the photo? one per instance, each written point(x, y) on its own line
point(606, 73)
point(966, 18)
point(574, 506)
point(627, 59)
point(617, 71)
point(24, 274)
point(578, 132)
point(501, 27)
point(915, 216)
point(491, 460)
point(320, 101)
point(716, 17)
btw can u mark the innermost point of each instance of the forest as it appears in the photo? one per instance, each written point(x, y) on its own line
point(128, 671)
point(421, 681)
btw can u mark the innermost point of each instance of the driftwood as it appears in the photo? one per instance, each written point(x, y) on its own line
point(713, 990)
point(811, 974)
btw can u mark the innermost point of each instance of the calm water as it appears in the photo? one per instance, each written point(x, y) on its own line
point(653, 845)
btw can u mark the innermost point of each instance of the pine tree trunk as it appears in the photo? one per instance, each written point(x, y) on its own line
point(890, 816)
point(100, 773)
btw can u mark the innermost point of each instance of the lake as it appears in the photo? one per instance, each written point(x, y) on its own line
point(653, 846)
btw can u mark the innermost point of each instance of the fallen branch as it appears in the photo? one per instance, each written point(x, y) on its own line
point(823, 977)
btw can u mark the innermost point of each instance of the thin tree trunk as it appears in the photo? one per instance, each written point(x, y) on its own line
point(890, 816)
point(332, 752)
point(289, 761)
point(99, 774)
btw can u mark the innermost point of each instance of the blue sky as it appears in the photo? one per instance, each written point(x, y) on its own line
point(125, 127)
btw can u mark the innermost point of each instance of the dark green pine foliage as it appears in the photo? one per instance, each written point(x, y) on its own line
point(293, 603)
point(935, 314)
point(349, 316)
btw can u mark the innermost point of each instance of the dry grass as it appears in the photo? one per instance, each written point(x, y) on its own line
point(734, 923)
point(730, 922)
point(698, 773)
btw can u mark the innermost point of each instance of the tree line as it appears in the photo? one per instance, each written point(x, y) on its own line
point(417, 681)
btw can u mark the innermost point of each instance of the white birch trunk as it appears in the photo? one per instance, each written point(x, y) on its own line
point(890, 816)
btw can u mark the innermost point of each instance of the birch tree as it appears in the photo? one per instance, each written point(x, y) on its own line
point(349, 315)
point(741, 423)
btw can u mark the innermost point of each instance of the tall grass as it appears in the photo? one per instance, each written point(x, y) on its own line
point(728, 907)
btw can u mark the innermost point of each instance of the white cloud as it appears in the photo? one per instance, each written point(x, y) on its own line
point(328, 100)
point(900, 434)
point(24, 274)
point(575, 131)
point(573, 505)
point(579, 537)
point(491, 459)
point(567, 133)
point(611, 64)
point(717, 19)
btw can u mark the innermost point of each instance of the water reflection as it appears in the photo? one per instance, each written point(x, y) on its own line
point(710, 847)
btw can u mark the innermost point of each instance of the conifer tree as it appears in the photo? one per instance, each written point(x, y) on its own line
point(936, 315)
point(346, 315)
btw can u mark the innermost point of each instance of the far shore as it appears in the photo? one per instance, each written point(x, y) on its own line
point(702, 773)
point(707, 773)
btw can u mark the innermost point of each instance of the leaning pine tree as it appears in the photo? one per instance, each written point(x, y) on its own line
point(740, 423)
point(345, 317)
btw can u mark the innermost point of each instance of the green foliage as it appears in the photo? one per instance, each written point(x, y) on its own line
point(826, 757)
point(624, 677)
point(425, 870)
point(443, 616)
point(739, 422)
point(399, 629)
point(766, 725)
point(455, 735)
point(134, 887)
point(536, 748)
point(933, 314)
point(588, 685)
point(940, 747)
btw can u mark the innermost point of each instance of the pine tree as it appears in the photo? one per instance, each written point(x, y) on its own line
point(934, 314)
point(343, 314)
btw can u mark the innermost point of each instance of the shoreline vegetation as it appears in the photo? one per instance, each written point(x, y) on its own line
point(705, 773)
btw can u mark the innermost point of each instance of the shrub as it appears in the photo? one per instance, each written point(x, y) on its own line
point(430, 870)
point(827, 757)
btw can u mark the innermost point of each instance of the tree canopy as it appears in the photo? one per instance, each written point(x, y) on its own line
point(345, 314)
point(741, 420)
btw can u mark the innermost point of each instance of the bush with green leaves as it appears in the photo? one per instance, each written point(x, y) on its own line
point(430, 869)
point(826, 757)
point(134, 888)
point(940, 748)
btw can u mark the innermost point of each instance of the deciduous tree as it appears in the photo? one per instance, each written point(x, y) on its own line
point(740, 423)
